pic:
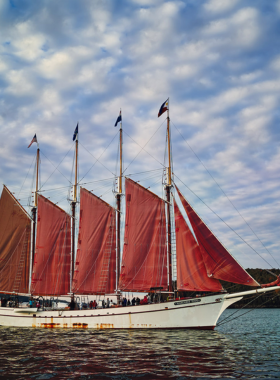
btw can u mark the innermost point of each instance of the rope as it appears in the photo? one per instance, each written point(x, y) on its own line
point(240, 237)
point(56, 168)
point(97, 159)
point(253, 299)
point(27, 175)
point(225, 195)
point(143, 148)
point(257, 307)
point(148, 171)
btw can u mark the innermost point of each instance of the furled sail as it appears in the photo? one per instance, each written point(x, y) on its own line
point(51, 267)
point(218, 261)
point(15, 230)
point(144, 262)
point(95, 269)
point(191, 271)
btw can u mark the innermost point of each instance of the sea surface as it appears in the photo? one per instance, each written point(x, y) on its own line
point(247, 347)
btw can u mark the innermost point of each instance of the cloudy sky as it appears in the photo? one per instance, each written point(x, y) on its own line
point(218, 61)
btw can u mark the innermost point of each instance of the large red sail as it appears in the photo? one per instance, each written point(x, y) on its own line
point(191, 271)
point(51, 267)
point(95, 269)
point(144, 262)
point(15, 230)
point(218, 261)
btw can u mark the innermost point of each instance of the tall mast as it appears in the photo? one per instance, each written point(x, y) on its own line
point(118, 197)
point(168, 198)
point(74, 201)
point(34, 209)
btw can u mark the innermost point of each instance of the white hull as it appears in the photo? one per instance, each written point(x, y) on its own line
point(198, 313)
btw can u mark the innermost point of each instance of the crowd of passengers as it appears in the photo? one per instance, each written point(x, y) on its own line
point(73, 305)
point(6, 302)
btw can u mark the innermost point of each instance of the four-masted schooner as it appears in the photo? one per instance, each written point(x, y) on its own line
point(44, 246)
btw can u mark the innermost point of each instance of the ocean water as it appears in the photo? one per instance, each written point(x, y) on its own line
point(244, 348)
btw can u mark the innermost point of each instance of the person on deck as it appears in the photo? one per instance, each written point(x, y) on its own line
point(72, 304)
point(4, 302)
point(108, 303)
point(144, 301)
point(94, 304)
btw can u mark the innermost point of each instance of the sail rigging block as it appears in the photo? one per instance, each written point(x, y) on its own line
point(191, 271)
point(95, 269)
point(15, 234)
point(219, 263)
point(51, 267)
point(144, 263)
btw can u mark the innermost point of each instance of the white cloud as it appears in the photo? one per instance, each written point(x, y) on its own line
point(241, 29)
point(220, 6)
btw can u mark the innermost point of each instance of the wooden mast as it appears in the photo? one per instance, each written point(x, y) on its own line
point(34, 209)
point(73, 203)
point(168, 198)
point(118, 197)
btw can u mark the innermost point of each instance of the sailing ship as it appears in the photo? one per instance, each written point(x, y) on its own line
point(38, 258)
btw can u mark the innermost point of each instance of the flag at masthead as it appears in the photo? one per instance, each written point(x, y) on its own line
point(32, 141)
point(118, 119)
point(76, 132)
point(163, 108)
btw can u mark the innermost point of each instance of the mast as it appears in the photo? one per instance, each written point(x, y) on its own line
point(165, 107)
point(168, 198)
point(73, 203)
point(118, 198)
point(34, 209)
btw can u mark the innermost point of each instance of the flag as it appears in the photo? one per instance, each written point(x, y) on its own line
point(75, 132)
point(118, 119)
point(33, 140)
point(163, 108)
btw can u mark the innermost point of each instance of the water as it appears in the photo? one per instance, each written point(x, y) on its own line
point(246, 348)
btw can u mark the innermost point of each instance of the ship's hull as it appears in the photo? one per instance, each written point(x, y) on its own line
point(197, 313)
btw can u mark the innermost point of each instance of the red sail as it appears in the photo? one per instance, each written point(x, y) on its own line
point(218, 261)
point(15, 230)
point(95, 269)
point(51, 267)
point(144, 262)
point(191, 271)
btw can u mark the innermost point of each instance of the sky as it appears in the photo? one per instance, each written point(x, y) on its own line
point(218, 62)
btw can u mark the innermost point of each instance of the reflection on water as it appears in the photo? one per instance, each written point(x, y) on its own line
point(245, 348)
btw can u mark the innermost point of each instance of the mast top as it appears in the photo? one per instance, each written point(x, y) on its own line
point(165, 107)
point(75, 137)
